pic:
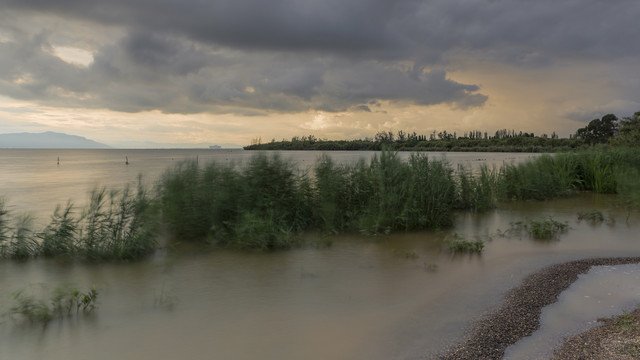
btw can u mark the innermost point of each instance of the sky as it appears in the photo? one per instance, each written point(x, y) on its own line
point(145, 73)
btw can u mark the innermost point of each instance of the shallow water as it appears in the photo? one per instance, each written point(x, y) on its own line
point(357, 299)
point(603, 292)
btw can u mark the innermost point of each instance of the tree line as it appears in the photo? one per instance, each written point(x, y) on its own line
point(608, 129)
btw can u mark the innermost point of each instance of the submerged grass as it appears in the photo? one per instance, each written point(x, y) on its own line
point(65, 300)
point(594, 217)
point(541, 229)
point(458, 244)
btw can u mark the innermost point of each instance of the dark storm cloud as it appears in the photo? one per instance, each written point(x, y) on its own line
point(283, 24)
point(294, 55)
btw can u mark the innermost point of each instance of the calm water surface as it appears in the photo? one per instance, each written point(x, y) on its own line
point(356, 299)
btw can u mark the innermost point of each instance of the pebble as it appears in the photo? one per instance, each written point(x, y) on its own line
point(519, 315)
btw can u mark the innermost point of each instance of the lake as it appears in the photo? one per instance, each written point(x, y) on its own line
point(357, 299)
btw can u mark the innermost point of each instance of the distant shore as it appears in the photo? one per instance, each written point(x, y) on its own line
point(519, 315)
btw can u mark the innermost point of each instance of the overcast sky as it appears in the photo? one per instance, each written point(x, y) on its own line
point(125, 72)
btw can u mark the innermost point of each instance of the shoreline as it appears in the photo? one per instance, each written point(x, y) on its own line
point(519, 314)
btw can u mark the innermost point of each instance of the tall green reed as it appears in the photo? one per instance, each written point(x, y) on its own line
point(60, 236)
point(431, 195)
point(22, 243)
point(4, 226)
point(544, 177)
point(117, 225)
point(260, 206)
point(476, 192)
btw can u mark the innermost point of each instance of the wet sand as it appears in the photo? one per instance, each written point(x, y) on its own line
point(519, 315)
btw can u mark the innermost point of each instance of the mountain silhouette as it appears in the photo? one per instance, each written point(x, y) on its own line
point(48, 140)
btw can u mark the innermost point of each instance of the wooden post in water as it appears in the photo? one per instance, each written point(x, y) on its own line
point(58, 160)
point(126, 160)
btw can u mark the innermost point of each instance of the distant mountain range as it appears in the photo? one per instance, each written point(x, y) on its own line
point(48, 140)
point(157, 145)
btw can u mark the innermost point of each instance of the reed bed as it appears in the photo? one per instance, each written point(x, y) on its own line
point(117, 225)
point(267, 203)
point(600, 169)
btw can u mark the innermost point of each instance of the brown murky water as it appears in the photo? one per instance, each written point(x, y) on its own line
point(360, 298)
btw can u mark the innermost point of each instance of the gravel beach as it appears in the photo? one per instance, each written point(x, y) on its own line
point(519, 315)
point(618, 338)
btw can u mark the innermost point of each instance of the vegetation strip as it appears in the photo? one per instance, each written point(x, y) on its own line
point(269, 202)
point(607, 130)
point(519, 316)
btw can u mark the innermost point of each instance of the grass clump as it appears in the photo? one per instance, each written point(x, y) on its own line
point(63, 301)
point(545, 229)
point(458, 244)
point(542, 229)
point(626, 322)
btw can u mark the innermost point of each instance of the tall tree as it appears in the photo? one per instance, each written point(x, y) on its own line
point(629, 131)
point(599, 130)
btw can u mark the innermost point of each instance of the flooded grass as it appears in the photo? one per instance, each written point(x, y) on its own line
point(405, 253)
point(458, 244)
point(592, 216)
point(65, 300)
point(545, 229)
point(540, 229)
